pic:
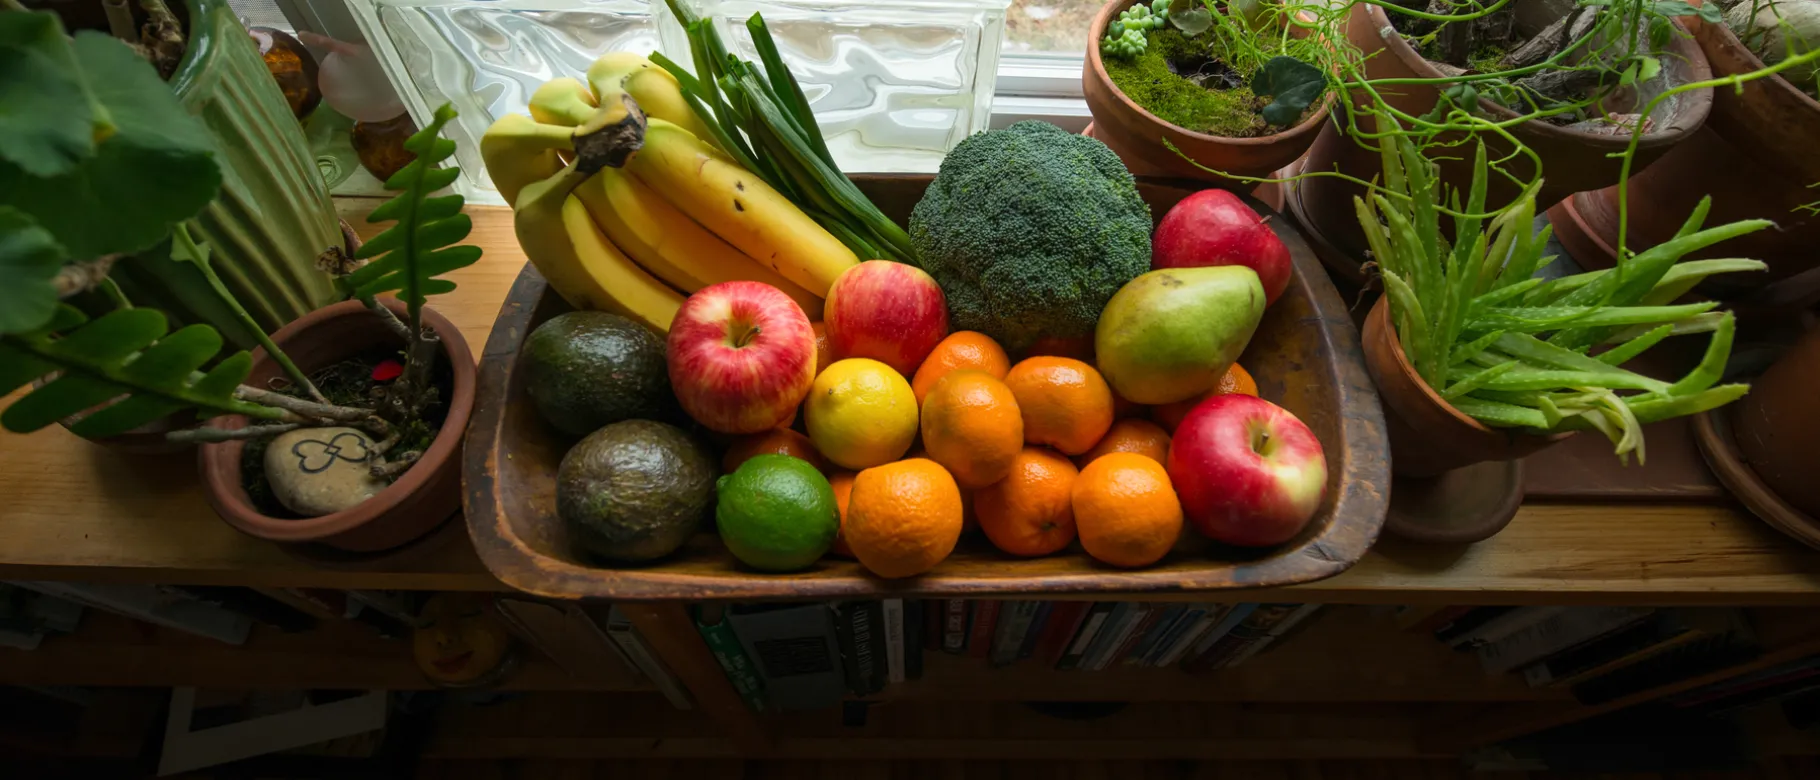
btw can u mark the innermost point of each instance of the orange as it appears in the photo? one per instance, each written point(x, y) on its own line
point(1235, 380)
point(961, 349)
point(1125, 510)
point(823, 353)
point(1065, 403)
point(903, 518)
point(1030, 512)
point(842, 482)
point(971, 426)
point(1140, 436)
point(781, 441)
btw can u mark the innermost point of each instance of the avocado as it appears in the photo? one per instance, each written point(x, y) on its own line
point(635, 490)
point(586, 369)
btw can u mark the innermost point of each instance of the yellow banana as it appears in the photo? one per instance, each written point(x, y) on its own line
point(563, 101)
point(667, 243)
point(739, 207)
point(656, 91)
point(519, 151)
point(582, 266)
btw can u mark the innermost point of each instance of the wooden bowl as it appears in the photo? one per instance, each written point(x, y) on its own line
point(1305, 356)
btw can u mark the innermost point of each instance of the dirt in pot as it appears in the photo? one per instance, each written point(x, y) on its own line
point(1185, 82)
point(351, 382)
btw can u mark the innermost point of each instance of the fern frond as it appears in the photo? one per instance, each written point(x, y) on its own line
point(409, 256)
point(124, 363)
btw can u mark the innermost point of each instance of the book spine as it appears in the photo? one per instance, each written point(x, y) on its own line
point(979, 635)
point(1118, 627)
point(933, 616)
point(894, 639)
point(913, 638)
point(1549, 676)
point(954, 626)
point(1560, 631)
point(1014, 622)
point(1505, 625)
point(1233, 617)
point(1191, 616)
point(1091, 625)
point(1039, 623)
point(1277, 632)
point(724, 644)
point(1064, 622)
point(1147, 618)
point(1152, 636)
point(1191, 637)
point(1469, 622)
point(634, 646)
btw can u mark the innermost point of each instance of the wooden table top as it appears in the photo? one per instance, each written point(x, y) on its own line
point(73, 511)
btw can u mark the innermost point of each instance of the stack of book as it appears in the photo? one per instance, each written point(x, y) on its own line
point(1597, 653)
point(810, 656)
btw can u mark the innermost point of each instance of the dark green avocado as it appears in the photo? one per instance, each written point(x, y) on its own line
point(635, 490)
point(586, 369)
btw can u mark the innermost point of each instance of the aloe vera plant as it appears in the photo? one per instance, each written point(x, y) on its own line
point(1515, 351)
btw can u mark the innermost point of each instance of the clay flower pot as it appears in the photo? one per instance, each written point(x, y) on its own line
point(1427, 435)
point(417, 502)
point(1778, 422)
point(1572, 160)
point(1137, 135)
point(1756, 157)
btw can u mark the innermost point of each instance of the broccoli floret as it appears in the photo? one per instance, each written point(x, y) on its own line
point(1029, 231)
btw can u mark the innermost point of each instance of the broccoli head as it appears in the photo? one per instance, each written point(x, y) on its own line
point(1029, 231)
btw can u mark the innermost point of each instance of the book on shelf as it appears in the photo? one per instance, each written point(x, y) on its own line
point(1470, 621)
point(1058, 630)
point(859, 625)
point(1144, 616)
point(1118, 621)
point(1014, 622)
point(1228, 621)
point(1784, 679)
point(955, 613)
point(1152, 634)
point(895, 646)
point(1091, 624)
point(1246, 637)
point(1205, 618)
point(1659, 632)
point(1561, 630)
point(914, 642)
point(723, 642)
point(153, 605)
point(795, 651)
point(565, 634)
point(620, 631)
point(1039, 622)
point(256, 606)
point(979, 634)
point(27, 617)
point(1705, 654)
point(1503, 624)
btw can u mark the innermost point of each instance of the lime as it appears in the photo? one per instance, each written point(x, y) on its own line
point(860, 413)
point(776, 513)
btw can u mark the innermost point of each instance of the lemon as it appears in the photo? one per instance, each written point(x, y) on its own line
point(860, 413)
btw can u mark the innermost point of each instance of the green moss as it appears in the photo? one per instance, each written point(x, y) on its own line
point(1148, 81)
point(1485, 58)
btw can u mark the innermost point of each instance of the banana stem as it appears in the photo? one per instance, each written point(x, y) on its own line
point(181, 237)
point(610, 138)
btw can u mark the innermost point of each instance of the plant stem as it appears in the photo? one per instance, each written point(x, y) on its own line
point(114, 294)
point(210, 435)
point(120, 20)
point(385, 314)
point(301, 407)
point(181, 236)
point(13, 5)
point(84, 275)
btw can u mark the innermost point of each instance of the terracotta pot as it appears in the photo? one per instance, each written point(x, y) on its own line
point(1427, 435)
point(421, 499)
point(1137, 135)
point(1572, 160)
point(1778, 422)
point(1756, 157)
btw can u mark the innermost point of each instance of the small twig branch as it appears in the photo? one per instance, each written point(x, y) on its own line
point(120, 20)
point(302, 407)
point(389, 469)
point(208, 435)
point(83, 276)
point(387, 316)
point(163, 35)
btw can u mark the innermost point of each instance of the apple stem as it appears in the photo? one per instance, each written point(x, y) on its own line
point(746, 337)
point(1260, 439)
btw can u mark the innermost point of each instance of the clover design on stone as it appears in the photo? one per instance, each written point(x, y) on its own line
point(315, 457)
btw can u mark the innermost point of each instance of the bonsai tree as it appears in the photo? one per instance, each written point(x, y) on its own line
point(121, 169)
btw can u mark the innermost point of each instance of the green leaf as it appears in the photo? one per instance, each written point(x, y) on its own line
point(419, 246)
point(125, 364)
point(156, 168)
point(29, 260)
point(1295, 84)
point(44, 129)
point(1193, 21)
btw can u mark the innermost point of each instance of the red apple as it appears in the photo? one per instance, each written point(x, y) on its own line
point(742, 356)
point(1248, 472)
point(1214, 227)
point(890, 312)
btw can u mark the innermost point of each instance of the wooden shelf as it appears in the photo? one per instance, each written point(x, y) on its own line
point(74, 511)
point(108, 650)
point(1382, 664)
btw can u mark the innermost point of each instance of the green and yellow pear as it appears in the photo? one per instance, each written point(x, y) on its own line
point(1170, 334)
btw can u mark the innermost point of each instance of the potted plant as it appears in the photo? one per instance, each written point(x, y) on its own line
point(1561, 84)
point(272, 216)
point(1234, 88)
point(1756, 155)
point(1477, 359)
point(330, 392)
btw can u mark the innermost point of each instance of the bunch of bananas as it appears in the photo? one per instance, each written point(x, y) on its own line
point(624, 206)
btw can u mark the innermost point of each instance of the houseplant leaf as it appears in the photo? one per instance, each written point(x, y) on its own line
point(43, 129)
point(1295, 84)
point(156, 168)
point(419, 245)
point(1193, 21)
point(29, 259)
